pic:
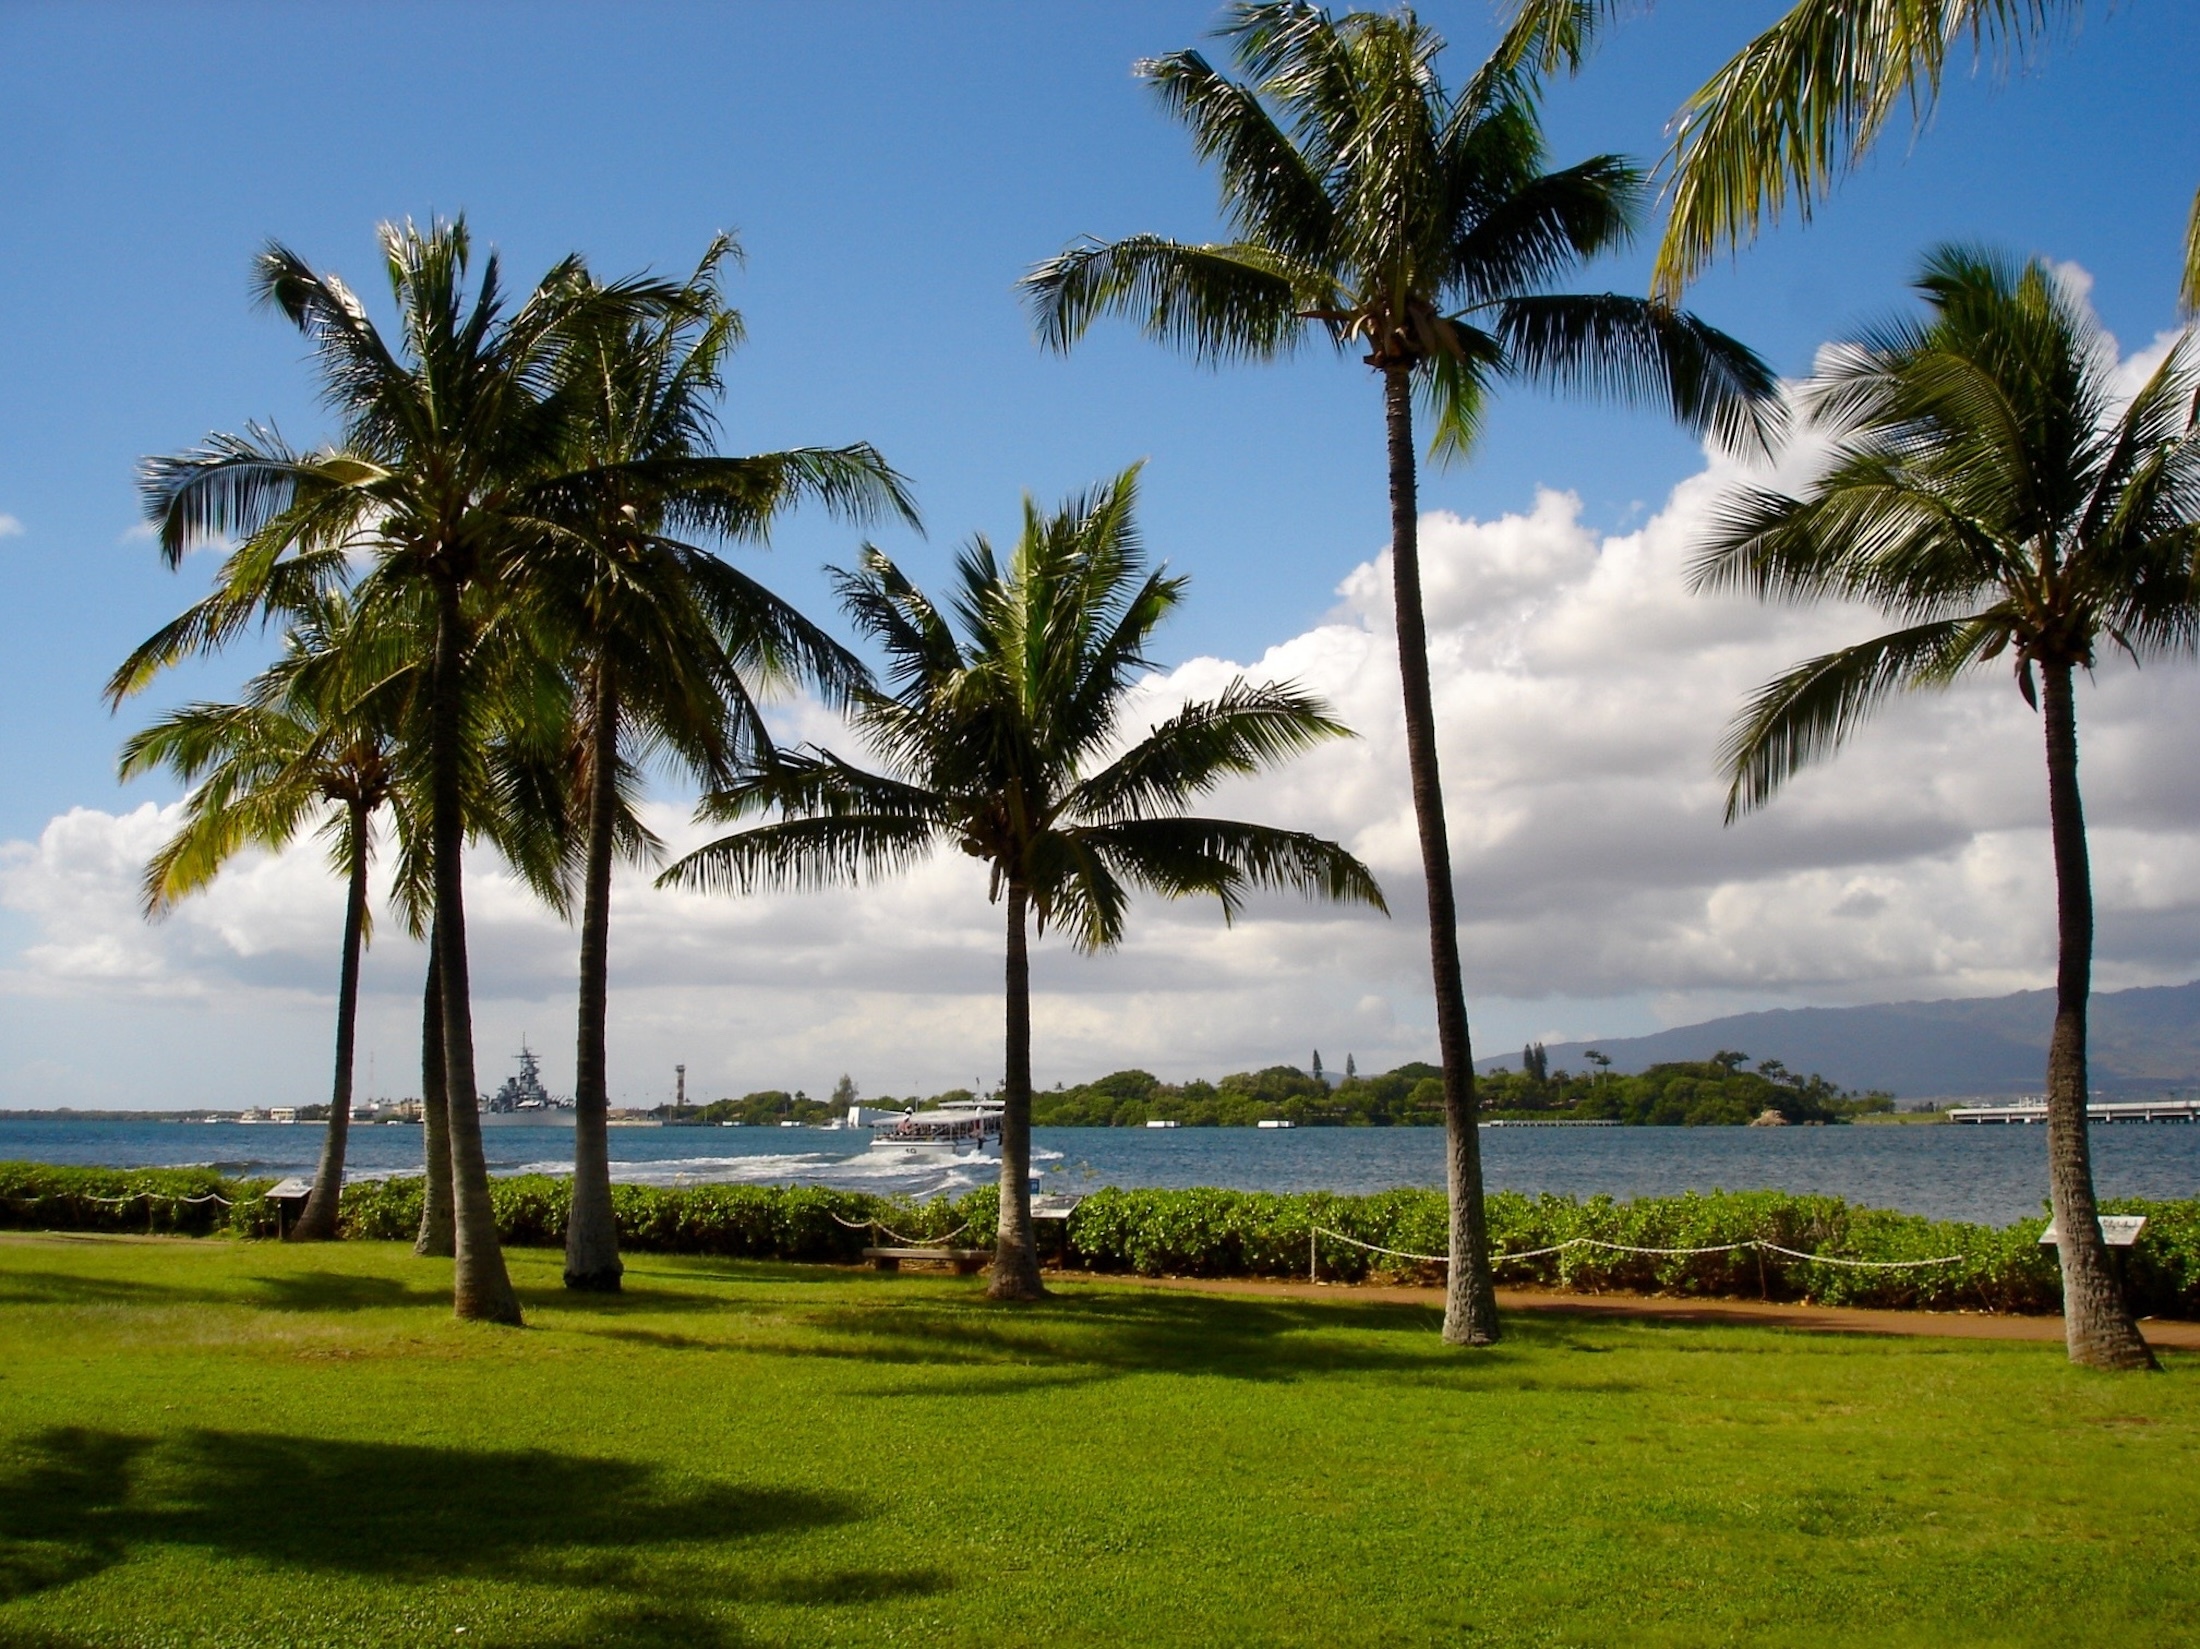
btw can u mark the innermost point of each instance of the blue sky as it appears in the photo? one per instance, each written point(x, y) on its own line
point(891, 170)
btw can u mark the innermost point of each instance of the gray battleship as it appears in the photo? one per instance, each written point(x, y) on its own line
point(523, 1102)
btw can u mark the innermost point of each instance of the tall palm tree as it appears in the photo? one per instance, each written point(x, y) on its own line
point(994, 743)
point(1801, 104)
point(516, 786)
point(1370, 207)
point(448, 437)
point(308, 745)
point(1987, 491)
point(666, 638)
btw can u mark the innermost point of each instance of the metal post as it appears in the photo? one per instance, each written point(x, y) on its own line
point(1313, 1273)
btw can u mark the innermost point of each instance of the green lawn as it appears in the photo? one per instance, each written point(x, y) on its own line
point(214, 1442)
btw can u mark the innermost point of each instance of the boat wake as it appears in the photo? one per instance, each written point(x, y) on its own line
point(888, 1171)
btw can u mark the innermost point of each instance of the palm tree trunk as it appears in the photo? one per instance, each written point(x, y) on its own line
point(318, 1222)
point(1015, 1255)
point(591, 1229)
point(1470, 1297)
point(437, 1238)
point(480, 1287)
point(2096, 1323)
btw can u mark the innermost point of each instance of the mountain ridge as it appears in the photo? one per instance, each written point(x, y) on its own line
point(2143, 1041)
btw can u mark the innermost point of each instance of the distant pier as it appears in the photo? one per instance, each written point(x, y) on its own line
point(2035, 1110)
point(1551, 1122)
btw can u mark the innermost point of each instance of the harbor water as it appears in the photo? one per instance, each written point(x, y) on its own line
point(1988, 1174)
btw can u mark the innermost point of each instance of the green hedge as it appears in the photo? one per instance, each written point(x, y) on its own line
point(1210, 1233)
point(1234, 1233)
point(37, 1196)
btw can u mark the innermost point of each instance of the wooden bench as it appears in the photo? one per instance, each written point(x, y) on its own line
point(964, 1260)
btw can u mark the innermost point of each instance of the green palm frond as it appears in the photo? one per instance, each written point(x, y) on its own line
point(1077, 891)
point(1630, 349)
point(987, 737)
point(1800, 105)
point(1369, 204)
point(1533, 232)
point(1220, 302)
point(1986, 488)
point(814, 783)
point(1264, 175)
point(804, 855)
point(1544, 37)
point(1811, 711)
point(1248, 727)
point(2188, 281)
point(1865, 534)
point(1179, 857)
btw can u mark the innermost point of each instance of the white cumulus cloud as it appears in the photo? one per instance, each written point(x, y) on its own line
point(1580, 694)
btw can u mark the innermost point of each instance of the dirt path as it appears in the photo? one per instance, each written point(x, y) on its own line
point(1823, 1319)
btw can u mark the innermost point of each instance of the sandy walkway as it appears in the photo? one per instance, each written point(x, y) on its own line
point(1824, 1319)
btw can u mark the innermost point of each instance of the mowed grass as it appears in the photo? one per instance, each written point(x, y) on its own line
point(214, 1442)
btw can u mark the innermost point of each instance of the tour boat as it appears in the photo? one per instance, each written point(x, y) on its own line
point(961, 1128)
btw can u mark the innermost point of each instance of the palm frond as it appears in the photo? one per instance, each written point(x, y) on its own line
point(1631, 349)
point(1242, 731)
point(1179, 857)
point(1544, 37)
point(1220, 302)
point(804, 855)
point(1811, 711)
point(1799, 105)
point(1269, 189)
point(2188, 282)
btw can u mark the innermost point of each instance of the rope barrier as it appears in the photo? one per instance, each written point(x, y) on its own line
point(1873, 1265)
point(883, 1227)
point(150, 1196)
point(1623, 1248)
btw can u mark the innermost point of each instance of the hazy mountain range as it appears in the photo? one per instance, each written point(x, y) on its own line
point(2144, 1041)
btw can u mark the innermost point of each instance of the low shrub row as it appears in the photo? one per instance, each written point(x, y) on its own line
point(194, 1202)
point(1222, 1233)
point(1211, 1233)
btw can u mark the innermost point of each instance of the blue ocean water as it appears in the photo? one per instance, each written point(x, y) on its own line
point(1993, 1174)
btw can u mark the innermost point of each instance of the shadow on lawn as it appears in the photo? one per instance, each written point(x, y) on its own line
point(82, 1500)
point(1080, 1337)
point(311, 1291)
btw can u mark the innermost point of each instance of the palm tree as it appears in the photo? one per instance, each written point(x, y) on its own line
point(1370, 207)
point(1986, 490)
point(1801, 105)
point(991, 743)
point(664, 633)
point(516, 787)
point(447, 440)
point(305, 746)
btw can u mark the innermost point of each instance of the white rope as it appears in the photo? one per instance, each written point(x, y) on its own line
point(1377, 1248)
point(1624, 1248)
point(1876, 1265)
point(1628, 1248)
point(882, 1226)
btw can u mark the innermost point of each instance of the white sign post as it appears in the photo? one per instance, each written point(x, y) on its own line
point(2117, 1230)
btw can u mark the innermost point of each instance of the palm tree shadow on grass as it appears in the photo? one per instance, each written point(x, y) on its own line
point(310, 1291)
point(1080, 1338)
point(318, 1291)
point(81, 1500)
